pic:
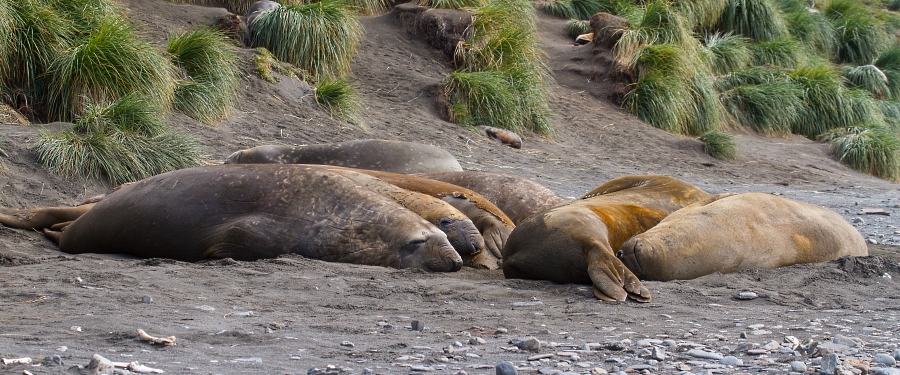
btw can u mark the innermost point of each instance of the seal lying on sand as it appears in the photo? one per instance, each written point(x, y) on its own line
point(373, 154)
point(493, 224)
point(517, 196)
point(248, 212)
point(577, 242)
point(506, 137)
point(733, 232)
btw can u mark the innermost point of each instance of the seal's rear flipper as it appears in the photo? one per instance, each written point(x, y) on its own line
point(61, 226)
point(53, 235)
point(612, 280)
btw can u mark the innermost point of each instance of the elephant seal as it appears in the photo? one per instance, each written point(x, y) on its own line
point(732, 232)
point(493, 224)
point(506, 137)
point(460, 230)
point(256, 9)
point(517, 196)
point(373, 154)
point(249, 212)
point(576, 243)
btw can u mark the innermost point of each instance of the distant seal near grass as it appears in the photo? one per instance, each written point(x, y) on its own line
point(373, 154)
point(249, 212)
point(518, 197)
point(256, 9)
point(506, 137)
point(577, 242)
point(732, 232)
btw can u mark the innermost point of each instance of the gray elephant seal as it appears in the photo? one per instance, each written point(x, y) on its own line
point(576, 243)
point(518, 197)
point(733, 232)
point(249, 212)
point(372, 154)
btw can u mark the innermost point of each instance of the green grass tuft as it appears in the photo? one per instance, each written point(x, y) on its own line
point(758, 20)
point(208, 87)
point(726, 53)
point(483, 98)
point(561, 9)
point(812, 29)
point(767, 108)
point(719, 145)
point(234, 6)
point(868, 148)
point(660, 24)
point(339, 98)
point(86, 14)
point(701, 15)
point(869, 78)
point(110, 62)
point(454, 4)
point(862, 36)
point(123, 141)
point(320, 38)
point(575, 27)
point(889, 63)
point(829, 104)
point(893, 5)
point(784, 52)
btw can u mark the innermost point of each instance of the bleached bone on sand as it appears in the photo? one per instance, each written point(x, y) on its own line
point(155, 340)
point(101, 365)
point(16, 361)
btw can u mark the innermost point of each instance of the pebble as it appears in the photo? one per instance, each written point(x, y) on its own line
point(828, 364)
point(501, 331)
point(844, 340)
point(771, 345)
point(858, 220)
point(146, 299)
point(477, 341)
point(731, 361)
point(658, 353)
point(896, 354)
point(797, 366)
point(884, 359)
point(348, 344)
point(506, 368)
point(757, 351)
point(747, 295)
point(885, 371)
point(703, 354)
point(417, 325)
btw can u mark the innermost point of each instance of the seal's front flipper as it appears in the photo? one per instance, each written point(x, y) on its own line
point(612, 280)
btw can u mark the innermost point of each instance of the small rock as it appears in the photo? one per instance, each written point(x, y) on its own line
point(884, 359)
point(540, 357)
point(347, 344)
point(598, 371)
point(771, 345)
point(421, 368)
point(417, 325)
point(731, 361)
point(477, 341)
point(506, 368)
point(873, 211)
point(747, 296)
point(829, 364)
point(743, 335)
point(56, 359)
point(757, 351)
point(859, 364)
point(858, 220)
point(658, 353)
point(705, 355)
point(849, 341)
point(797, 366)
point(743, 347)
point(527, 343)
point(501, 331)
point(643, 342)
point(885, 371)
point(827, 348)
point(146, 299)
point(670, 343)
point(896, 354)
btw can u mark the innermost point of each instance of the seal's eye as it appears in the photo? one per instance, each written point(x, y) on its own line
point(412, 246)
point(445, 223)
point(620, 254)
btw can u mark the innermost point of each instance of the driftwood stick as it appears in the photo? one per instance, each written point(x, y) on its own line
point(156, 340)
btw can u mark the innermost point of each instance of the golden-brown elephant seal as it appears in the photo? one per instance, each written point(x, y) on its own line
point(732, 232)
point(518, 197)
point(576, 243)
point(372, 154)
point(249, 212)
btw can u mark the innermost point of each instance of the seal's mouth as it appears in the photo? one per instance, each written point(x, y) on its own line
point(234, 158)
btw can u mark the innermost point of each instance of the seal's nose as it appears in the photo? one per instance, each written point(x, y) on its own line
point(234, 158)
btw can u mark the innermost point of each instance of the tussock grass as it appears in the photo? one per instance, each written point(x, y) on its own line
point(339, 98)
point(829, 104)
point(659, 100)
point(719, 145)
point(869, 78)
point(123, 141)
point(861, 35)
point(110, 62)
point(577, 9)
point(483, 98)
point(766, 108)
point(561, 9)
point(455, 4)
point(36, 33)
point(234, 6)
point(320, 38)
point(812, 29)
point(86, 14)
point(893, 5)
point(726, 53)
point(660, 24)
point(701, 15)
point(576, 27)
point(208, 87)
point(264, 63)
point(758, 20)
point(868, 148)
point(889, 64)
point(754, 75)
point(784, 51)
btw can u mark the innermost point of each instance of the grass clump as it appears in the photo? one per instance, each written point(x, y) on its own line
point(208, 88)
point(766, 108)
point(829, 104)
point(575, 27)
point(784, 51)
point(869, 78)
point(861, 36)
point(484, 97)
point(726, 53)
point(701, 15)
point(758, 20)
point(893, 5)
point(815, 31)
point(86, 15)
point(868, 148)
point(454, 4)
point(110, 62)
point(123, 141)
point(320, 38)
point(719, 145)
point(660, 24)
point(889, 64)
point(576, 9)
point(339, 98)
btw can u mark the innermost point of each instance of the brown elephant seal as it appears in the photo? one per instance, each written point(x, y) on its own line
point(373, 154)
point(576, 243)
point(460, 230)
point(506, 137)
point(490, 220)
point(732, 232)
point(518, 197)
point(249, 212)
